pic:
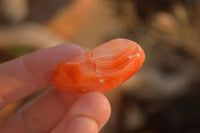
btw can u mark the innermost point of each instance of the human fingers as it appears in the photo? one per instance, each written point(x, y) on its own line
point(41, 114)
point(27, 74)
point(88, 115)
point(53, 111)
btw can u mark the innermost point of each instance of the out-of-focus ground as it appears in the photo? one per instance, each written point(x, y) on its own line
point(164, 96)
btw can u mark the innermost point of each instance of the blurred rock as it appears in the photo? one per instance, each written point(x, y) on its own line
point(70, 19)
point(134, 117)
point(41, 11)
point(102, 25)
point(14, 10)
point(31, 35)
point(165, 22)
point(180, 12)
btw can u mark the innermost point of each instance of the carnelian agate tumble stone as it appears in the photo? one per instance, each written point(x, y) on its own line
point(101, 69)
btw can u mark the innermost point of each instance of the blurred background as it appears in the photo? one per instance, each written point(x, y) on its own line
point(163, 97)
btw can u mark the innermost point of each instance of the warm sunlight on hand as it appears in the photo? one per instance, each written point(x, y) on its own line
point(52, 111)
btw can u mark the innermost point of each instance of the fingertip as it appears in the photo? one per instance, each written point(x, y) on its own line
point(76, 49)
point(94, 105)
point(82, 124)
point(87, 115)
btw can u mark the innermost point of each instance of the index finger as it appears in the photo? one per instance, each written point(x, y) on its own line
point(27, 74)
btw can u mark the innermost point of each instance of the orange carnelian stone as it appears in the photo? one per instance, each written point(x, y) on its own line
point(100, 69)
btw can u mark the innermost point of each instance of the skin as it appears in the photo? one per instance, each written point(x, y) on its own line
point(53, 111)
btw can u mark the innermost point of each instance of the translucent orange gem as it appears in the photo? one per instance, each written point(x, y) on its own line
point(101, 69)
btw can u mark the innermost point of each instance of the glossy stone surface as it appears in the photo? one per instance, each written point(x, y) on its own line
point(101, 69)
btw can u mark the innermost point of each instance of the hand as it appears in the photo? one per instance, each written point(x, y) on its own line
point(52, 111)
